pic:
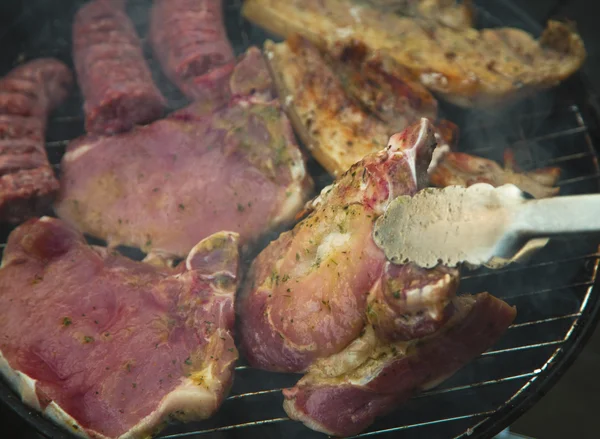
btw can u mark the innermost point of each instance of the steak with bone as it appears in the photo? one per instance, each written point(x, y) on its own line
point(189, 39)
point(324, 300)
point(165, 186)
point(28, 94)
point(111, 70)
point(110, 347)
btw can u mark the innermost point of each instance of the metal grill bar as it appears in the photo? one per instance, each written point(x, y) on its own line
point(549, 290)
point(227, 427)
point(424, 424)
point(522, 348)
point(527, 267)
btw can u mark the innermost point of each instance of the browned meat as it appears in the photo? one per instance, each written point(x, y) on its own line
point(386, 89)
point(189, 39)
point(27, 94)
point(323, 299)
point(465, 66)
point(446, 12)
point(345, 105)
point(111, 70)
point(457, 168)
point(113, 348)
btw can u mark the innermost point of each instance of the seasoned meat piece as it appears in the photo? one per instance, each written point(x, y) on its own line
point(465, 66)
point(110, 347)
point(165, 186)
point(460, 169)
point(345, 105)
point(384, 88)
point(111, 70)
point(27, 95)
point(323, 299)
point(445, 12)
point(336, 130)
point(189, 40)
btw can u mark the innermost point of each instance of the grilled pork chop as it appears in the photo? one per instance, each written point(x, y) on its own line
point(109, 347)
point(323, 299)
point(465, 66)
point(345, 104)
point(165, 186)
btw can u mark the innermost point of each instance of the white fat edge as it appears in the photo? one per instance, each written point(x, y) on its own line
point(433, 79)
point(438, 154)
point(198, 247)
point(294, 199)
point(186, 395)
point(331, 242)
point(355, 11)
point(78, 152)
point(345, 32)
point(411, 153)
point(25, 387)
point(427, 295)
point(289, 99)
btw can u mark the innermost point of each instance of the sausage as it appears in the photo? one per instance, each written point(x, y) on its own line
point(28, 94)
point(114, 77)
point(188, 38)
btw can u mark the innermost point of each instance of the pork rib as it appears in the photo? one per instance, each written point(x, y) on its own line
point(109, 347)
point(323, 299)
point(27, 95)
point(189, 40)
point(111, 70)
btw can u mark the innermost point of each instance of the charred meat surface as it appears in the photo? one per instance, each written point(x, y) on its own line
point(445, 12)
point(461, 169)
point(465, 66)
point(111, 70)
point(189, 39)
point(384, 88)
point(108, 346)
point(165, 186)
point(323, 299)
point(345, 103)
point(28, 94)
point(336, 129)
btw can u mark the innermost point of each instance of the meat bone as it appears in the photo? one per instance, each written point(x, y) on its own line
point(478, 225)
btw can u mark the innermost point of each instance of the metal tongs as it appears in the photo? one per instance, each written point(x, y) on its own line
point(479, 225)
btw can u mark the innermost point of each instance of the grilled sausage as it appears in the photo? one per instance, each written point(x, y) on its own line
point(27, 94)
point(189, 39)
point(112, 73)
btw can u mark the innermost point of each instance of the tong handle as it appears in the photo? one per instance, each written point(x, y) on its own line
point(559, 215)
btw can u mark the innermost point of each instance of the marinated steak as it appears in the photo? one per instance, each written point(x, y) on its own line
point(110, 347)
point(165, 186)
point(189, 40)
point(323, 299)
point(111, 70)
point(465, 66)
point(27, 95)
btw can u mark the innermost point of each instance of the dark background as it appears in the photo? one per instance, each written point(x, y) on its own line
point(570, 409)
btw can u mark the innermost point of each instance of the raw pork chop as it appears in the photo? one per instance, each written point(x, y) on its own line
point(323, 299)
point(28, 94)
point(165, 186)
point(111, 70)
point(110, 347)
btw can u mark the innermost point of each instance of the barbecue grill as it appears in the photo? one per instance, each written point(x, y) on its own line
point(556, 292)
